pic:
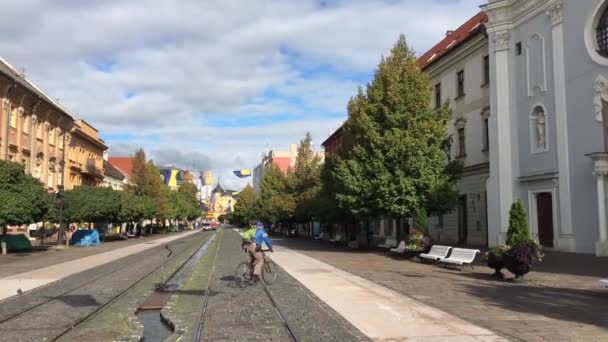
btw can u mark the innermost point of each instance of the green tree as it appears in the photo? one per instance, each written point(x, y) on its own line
point(422, 222)
point(155, 188)
point(275, 204)
point(306, 181)
point(393, 157)
point(139, 173)
point(92, 204)
point(244, 209)
point(518, 224)
point(22, 197)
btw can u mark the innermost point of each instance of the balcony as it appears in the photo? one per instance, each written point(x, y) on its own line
point(92, 170)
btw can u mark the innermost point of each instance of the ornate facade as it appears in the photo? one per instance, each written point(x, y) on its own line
point(84, 162)
point(33, 127)
point(548, 129)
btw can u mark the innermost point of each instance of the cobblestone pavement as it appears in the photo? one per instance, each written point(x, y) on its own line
point(46, 320)
point(246, 314)
point(551, 307)
point(14, 263)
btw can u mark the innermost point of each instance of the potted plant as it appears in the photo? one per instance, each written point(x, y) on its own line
point(523, 251)
point(520, 257)
point(495, 260)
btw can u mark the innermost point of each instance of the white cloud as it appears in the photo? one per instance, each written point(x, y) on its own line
point(184, 63)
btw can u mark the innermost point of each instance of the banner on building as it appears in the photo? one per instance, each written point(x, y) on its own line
point(207, 178)
point(170, 177)
point(242, 173)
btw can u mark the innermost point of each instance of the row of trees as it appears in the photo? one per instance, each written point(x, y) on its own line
point(24, 200)
point(394, 158)
point(285, 197)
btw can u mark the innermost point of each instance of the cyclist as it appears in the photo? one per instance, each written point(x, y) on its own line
point(255, 249)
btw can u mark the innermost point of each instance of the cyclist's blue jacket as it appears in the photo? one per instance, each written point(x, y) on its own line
point(262, 236)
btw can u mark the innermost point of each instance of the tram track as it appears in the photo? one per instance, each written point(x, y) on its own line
point(106, 277)
point(280, 315)
point(140, 280)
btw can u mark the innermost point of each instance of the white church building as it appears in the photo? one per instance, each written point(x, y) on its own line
point(548, 122)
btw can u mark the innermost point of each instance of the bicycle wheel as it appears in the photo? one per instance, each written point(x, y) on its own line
point(270, 272)
point(242, 276)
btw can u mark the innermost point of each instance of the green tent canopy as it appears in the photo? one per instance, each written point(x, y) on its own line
point(17, 243)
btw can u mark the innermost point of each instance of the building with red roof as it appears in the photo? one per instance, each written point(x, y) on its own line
point(123, 163)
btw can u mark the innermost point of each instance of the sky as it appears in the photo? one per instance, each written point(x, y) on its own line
point(211, 84)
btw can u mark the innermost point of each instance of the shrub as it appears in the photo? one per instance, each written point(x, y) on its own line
point(422, 221)
point(518, 224)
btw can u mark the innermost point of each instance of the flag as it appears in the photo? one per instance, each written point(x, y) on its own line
point(242, 173)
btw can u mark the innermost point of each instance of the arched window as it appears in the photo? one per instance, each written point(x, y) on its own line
point(601, 33)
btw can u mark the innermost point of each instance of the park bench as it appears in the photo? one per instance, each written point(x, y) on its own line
point(604, 283)
point(400, 249)
point(436, 253)
point(320, 236)
point(389, 243)
point(460, 257)
point(338, 238)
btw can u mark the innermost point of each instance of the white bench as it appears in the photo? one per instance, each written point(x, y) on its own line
point(320, 236)
point(460, 257)
point(604, 283)
point(338, 238)
point(388, 243)
point(437, 252)
point(400, 248)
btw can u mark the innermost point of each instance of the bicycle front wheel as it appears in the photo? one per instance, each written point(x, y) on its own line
point(242, 275)
point(270, 272)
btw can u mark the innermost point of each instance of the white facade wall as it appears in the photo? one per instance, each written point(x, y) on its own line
point(469, 112)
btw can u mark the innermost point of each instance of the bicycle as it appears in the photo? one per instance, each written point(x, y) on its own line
point(244, 272)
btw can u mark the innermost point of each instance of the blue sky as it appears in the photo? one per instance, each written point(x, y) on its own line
point(213, 83)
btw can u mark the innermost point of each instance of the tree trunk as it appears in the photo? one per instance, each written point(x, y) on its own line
point(3, 241)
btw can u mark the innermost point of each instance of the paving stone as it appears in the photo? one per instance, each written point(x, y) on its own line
point(568, 306)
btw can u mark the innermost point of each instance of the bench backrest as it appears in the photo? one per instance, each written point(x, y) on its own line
point(390, 241)
point(441, 251)
point(462, 254)
point(401, 245)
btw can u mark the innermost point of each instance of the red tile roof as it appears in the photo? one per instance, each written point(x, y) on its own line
point(123, 163)
point(337, 133)
point(454, 39)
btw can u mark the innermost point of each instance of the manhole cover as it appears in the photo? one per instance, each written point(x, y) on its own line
point(158, 298)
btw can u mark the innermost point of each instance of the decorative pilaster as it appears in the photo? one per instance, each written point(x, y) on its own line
point(600, 171)
point(33, 149)
point(6, 110)
point(501, 41)
point(45, 146)
point(20, 123)
point(566, 239)
point(555, 12)
point(501, 182)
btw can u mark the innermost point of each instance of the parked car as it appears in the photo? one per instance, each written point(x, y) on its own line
point(206, 226)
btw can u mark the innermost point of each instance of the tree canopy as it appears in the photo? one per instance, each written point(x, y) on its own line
point(23, 199)
point(393, 159)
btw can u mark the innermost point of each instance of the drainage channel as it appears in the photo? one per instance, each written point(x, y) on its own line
point(155, 327)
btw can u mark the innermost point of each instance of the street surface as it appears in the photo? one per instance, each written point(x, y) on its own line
point(323, 292)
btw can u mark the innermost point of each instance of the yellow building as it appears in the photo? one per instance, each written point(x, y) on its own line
point(84, 160)
point(33, 127)
point(222, 202)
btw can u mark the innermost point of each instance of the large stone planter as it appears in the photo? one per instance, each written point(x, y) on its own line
point(496, 262)
point(519, 269)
